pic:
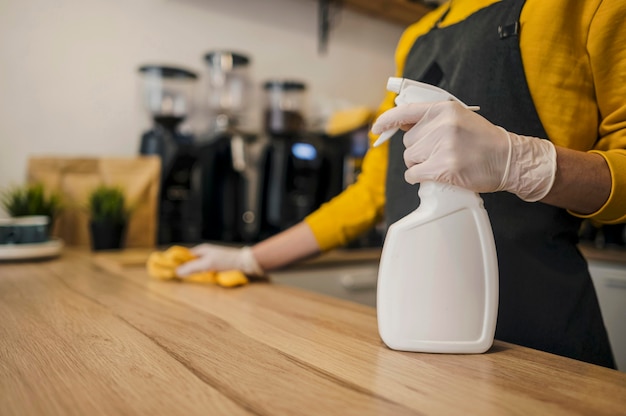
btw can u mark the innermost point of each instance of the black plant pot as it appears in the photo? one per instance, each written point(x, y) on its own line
point(107, 235)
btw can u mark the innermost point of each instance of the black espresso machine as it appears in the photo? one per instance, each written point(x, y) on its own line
point(300, 174)
point(167, 93)
point(233, 161)
point(212, 184)
point(256, 185)
point(231, 184)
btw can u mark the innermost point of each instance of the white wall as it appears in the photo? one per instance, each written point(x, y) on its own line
point(68, 68)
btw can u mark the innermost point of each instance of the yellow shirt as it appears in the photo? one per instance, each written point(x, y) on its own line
point(575, 65)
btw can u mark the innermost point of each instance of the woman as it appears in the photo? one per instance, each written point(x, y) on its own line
point(545, 150)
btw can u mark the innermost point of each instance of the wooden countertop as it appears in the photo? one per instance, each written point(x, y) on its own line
point(82, 335)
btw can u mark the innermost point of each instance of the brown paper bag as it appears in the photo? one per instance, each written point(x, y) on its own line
point(75, 178)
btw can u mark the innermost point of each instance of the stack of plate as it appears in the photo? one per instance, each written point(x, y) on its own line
point(23, 238)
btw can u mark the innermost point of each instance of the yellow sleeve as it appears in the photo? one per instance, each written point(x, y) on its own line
point(575, 64)
point(361, 205)
point(613, 210)
point(607, 37)
point(357, 208)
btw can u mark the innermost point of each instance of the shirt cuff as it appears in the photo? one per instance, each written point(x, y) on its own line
point(613, 211)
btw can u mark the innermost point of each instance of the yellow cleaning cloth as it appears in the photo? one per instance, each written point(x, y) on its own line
point(162, 265)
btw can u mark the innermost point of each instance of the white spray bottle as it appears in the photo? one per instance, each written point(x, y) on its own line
point(438, 273)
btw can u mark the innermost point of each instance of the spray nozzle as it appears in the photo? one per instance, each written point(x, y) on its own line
point(410, 91)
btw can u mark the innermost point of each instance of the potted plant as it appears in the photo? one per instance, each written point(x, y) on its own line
point(33, 211)
point(108, 217)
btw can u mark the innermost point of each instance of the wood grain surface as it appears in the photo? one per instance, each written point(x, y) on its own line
point(81, 335)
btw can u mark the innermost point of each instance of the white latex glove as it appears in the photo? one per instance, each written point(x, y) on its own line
point(217, 258)
point(451, 144)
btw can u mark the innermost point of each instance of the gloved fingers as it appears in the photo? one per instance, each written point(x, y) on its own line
point(219, 258)
point(193, 266)
point(453, 171)
point(202, 249)
point(403, 116)
point(218, 252)
point(421, 142)
point(428, 171)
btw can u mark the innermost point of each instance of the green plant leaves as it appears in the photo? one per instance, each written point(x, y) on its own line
point(30, 200)
point(108, 204)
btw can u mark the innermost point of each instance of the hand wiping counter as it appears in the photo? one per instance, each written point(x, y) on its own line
point(162, 265)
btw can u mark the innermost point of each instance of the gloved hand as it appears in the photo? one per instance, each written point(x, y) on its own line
point(162, 265)
point(218, 258)
point(451, 144)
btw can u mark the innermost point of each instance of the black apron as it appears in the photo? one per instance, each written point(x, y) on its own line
point(547, 299)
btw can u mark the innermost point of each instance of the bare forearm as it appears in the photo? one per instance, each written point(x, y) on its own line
point(287, 247)
point(582, 183)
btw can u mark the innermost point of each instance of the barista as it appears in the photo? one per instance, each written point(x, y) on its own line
point(546, 150)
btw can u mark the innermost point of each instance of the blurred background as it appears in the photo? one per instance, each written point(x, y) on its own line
point(69, 78)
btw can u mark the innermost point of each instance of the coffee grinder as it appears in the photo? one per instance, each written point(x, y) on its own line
point(167, 93)
point(298, 169)
point(232, 161)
